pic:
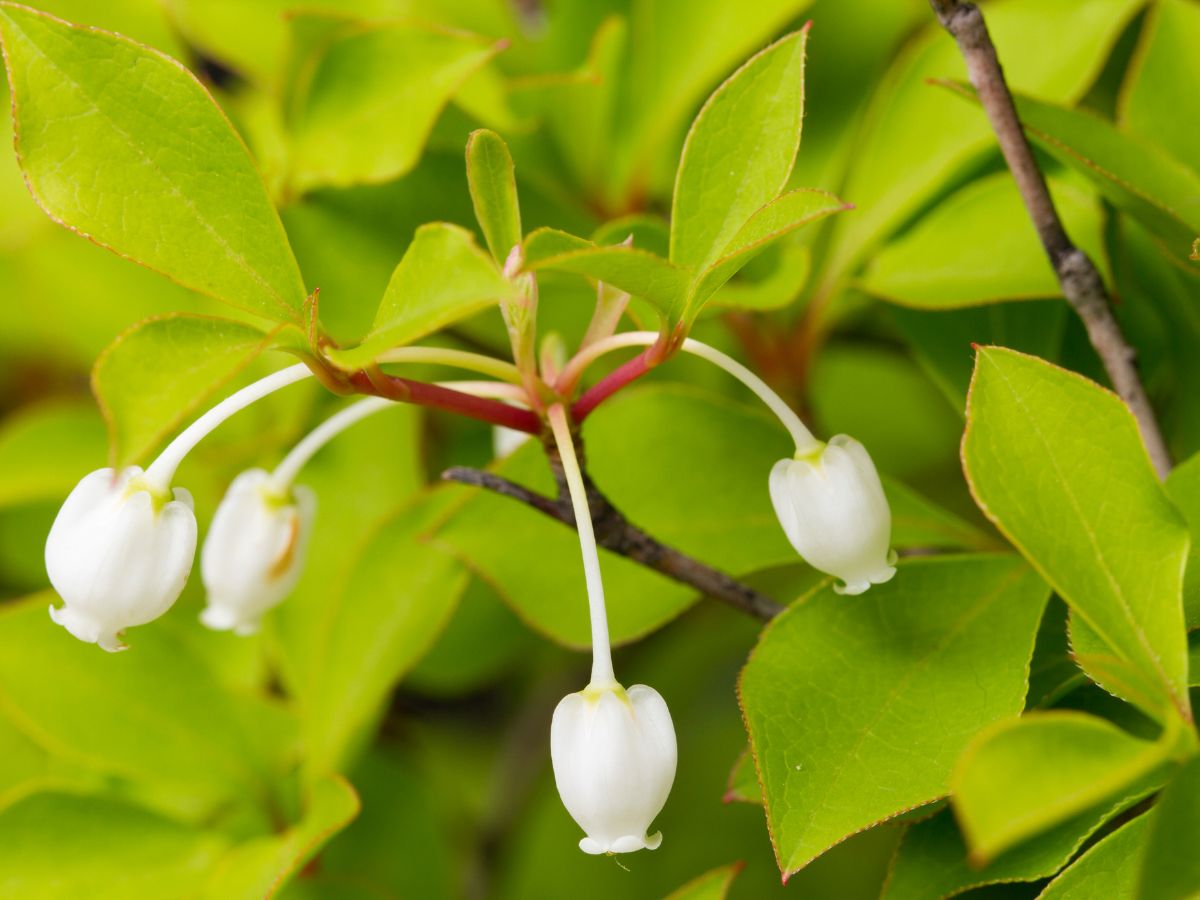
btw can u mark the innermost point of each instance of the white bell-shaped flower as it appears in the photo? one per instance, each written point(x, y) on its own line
point(614, 758)
point(118, 554)
point(832, 507)
point(255, 550)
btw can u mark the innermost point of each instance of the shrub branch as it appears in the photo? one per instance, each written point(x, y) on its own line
point(1080, 281)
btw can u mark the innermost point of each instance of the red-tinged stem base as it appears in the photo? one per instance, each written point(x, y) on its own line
point(405, 390)
point(618, 378)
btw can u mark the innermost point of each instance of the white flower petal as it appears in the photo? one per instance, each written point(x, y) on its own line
point(614, 757)
point(833, 509)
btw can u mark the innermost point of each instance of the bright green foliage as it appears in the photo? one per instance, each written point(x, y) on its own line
point(773, 221)
point(727, 204)
point(1133, 174)
point(494, 192)
point(45, 451)
point(259, 867)
point(1170, 867)
point(997, 253)
point(1108, 869)
point(1183, 487)
point(739, 152)
point(1052, 50)
point(933, 860)
point(157, 715)
point(421, 298)
point(858, 707)
point(1058, 465)
point(743, 786)
point(1026, 775)
point(633, 270)
point(170, 183)
point(712, 885)
point(420, 656)
point(158, 374)
point(369, 97)
point(397, 600)
point(42, 832)
point(1157, 101)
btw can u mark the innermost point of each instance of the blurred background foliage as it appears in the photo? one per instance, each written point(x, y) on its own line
point(434, 630)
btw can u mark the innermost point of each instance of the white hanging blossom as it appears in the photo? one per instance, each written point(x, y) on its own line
point(828, 498)
point(118, 554)
point(254, 552)
point(123, 544)
point(832, 507)
point(613, 751)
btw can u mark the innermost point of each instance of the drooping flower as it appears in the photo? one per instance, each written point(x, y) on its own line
point(254, 552)
point(119, 554)
point(613, 750)
point(831, 505)
point(614, 757)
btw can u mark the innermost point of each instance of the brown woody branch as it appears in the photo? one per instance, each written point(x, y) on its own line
point(1080, 281)
point(616, 533)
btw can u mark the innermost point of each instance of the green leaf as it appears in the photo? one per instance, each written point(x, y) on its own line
point(1157, 101)
point(369, 472)
point(160, 372)
point(678, 51)
point(858, 707)
point(63, 846)
point(1170, 868)
point(1108, 869)
point(1026, 775)
point(1134, 175)
point(743, 786)
point(1051, 49)
point(933, 861)
point(739, 152)
point(261, 866)
point(493, 186)
point(713, 885)
point(371, 98)
point(122, 144)
point(979, 246)
point(45, 450)
point(1183, 487)
point(635, 271)
point(942, 340)
point(398, 598)
point(1057, 463)
point(762, 288)
point(444, 277)
point(401, 808)
point(154, 714)
point(773, 221)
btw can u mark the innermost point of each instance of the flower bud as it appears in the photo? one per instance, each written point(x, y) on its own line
point(118, 554)
point(254, 552)
point(614, 761)
point(832, 507)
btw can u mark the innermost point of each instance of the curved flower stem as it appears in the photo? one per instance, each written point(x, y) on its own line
point(289, 467)
point(805, 441)
point(285, 473)
point(602, 667)
point(162, 470)
point(459, 359)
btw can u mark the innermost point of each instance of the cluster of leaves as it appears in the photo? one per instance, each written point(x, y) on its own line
point(325, 151)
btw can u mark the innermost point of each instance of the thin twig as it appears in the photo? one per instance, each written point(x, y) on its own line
point(1077, 275)
point(616, 533)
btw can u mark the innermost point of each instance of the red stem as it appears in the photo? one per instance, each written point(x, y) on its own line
point(405, 390)
point(614, 381)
